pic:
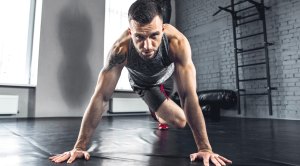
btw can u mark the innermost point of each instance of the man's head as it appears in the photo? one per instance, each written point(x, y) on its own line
point(145, 27)
point(143, 11)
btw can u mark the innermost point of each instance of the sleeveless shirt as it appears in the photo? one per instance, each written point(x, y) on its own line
point(149, 73)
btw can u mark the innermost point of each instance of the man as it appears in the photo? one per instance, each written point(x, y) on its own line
point(154, 53)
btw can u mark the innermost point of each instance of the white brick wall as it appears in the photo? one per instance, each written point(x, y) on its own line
point(212, 47)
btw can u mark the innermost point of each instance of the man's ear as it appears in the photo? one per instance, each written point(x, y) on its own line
point(129, 31)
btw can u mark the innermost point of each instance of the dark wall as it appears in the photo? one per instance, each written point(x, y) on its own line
point(211, 40)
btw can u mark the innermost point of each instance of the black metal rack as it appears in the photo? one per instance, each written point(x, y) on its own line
point(237, 18)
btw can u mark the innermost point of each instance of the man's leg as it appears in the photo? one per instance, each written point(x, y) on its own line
point(162, 125)
point(169, 112)
point(162, 108)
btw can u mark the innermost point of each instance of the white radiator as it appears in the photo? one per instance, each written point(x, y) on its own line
point(128, 105)
point(9, 104)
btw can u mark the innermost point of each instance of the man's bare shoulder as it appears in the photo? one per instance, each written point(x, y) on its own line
point(119, 51)
point(173, 33)
point(121, 44)
point(177, 41)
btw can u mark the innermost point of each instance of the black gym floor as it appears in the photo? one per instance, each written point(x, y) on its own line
point(135, 141)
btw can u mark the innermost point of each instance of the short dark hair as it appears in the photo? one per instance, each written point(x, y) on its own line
point(143, 11)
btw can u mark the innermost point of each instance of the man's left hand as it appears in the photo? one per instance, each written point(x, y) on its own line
point(210, 156)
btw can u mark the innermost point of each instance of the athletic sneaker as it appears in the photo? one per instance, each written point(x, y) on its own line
point(162, 126)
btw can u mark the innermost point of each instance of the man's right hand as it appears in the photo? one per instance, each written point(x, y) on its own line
point(70, 156)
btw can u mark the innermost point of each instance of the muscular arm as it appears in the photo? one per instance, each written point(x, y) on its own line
point(107, 81)
point(185, 75)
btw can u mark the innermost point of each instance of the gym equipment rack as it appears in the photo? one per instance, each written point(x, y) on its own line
point(237, 20)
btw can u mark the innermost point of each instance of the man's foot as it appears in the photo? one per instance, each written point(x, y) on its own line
point(162, 126)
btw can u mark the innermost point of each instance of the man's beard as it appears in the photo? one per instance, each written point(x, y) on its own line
point(147, 57)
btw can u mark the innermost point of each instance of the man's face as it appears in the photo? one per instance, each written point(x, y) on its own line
point(146, 37)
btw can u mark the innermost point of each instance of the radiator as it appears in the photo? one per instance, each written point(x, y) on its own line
point(127, 105)
point(9, 104)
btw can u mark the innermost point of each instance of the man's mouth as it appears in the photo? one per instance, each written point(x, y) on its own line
point(148, 53)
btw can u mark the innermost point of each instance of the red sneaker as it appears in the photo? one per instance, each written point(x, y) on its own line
point(162, 126)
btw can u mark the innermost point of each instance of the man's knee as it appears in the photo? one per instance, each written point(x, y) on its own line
point(180, 122)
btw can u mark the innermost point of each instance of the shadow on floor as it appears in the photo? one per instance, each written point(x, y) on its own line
point(135, 141)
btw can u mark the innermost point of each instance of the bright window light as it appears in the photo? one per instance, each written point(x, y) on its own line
point(116, 22)
point(15, 41)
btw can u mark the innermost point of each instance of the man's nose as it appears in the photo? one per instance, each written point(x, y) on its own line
point(147, 44)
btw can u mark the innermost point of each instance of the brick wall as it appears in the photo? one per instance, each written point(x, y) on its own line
point(211, 40)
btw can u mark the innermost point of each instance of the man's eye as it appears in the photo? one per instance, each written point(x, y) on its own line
point(154, 36)
point(139, 37)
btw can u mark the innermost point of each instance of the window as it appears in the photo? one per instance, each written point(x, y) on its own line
point(116, 22)
point(16, 34)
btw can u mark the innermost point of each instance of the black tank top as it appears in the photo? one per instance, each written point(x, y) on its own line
point(148, 73)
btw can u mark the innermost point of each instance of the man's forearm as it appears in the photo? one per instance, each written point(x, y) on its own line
point(89, 123)
point(197, 123)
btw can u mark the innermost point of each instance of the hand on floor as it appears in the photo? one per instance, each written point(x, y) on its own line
point(210, 156)
point(70, 156)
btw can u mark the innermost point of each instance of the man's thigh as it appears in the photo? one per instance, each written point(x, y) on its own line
point(171, 113)
point(156, 95)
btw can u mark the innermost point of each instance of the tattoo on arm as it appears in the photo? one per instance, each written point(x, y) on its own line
point(114, 59)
